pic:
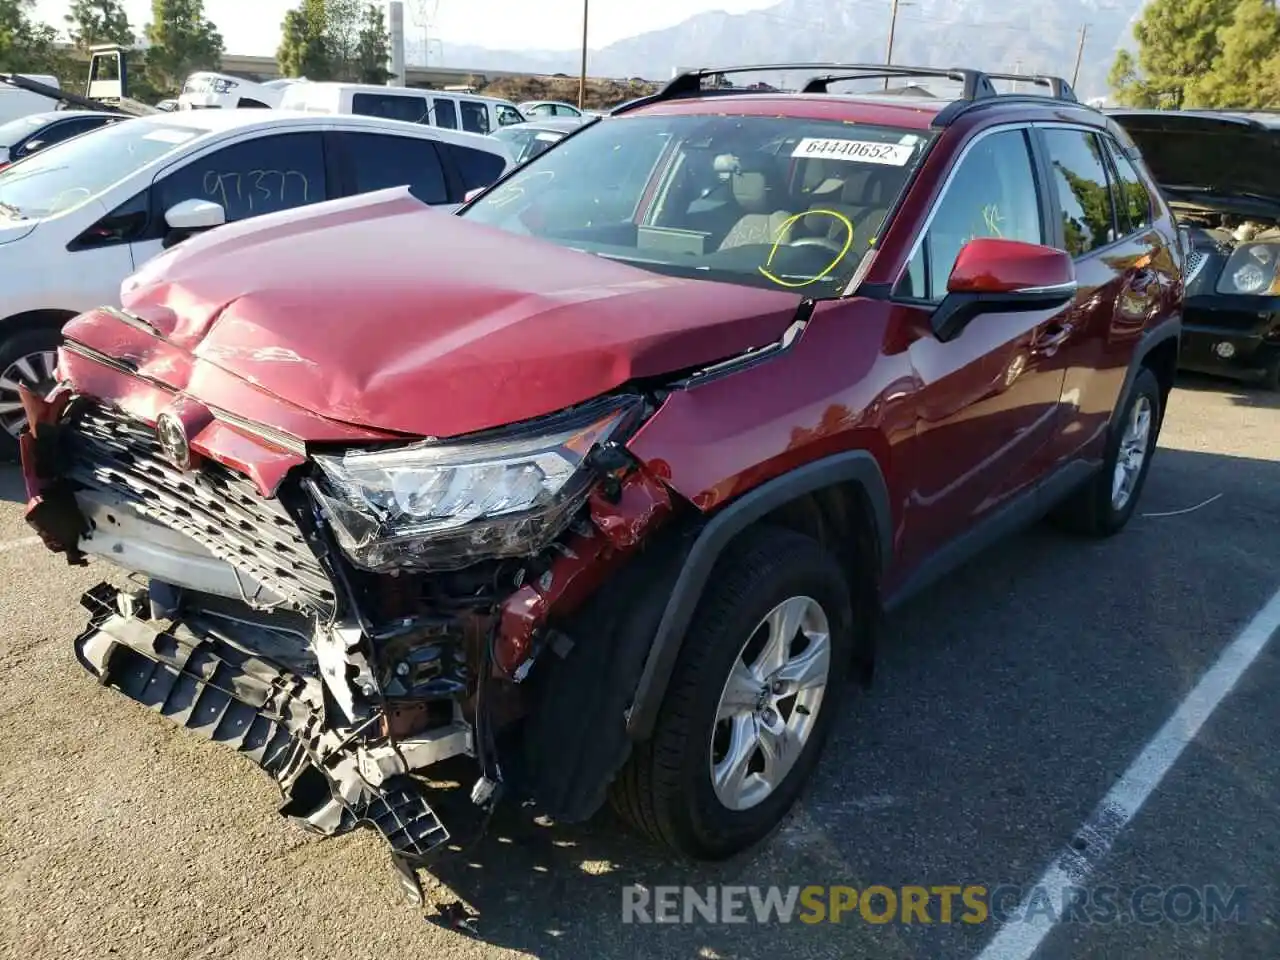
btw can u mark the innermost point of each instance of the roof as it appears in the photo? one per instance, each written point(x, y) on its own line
point(550, 124)
point(218, 121)
point(1264, 119)
point(915, 113)
point(398, 91)
point(49, 116)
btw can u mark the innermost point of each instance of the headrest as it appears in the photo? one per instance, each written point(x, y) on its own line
point(751, 190)
point(870, 187)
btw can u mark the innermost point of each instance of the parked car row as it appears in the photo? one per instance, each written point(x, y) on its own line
point(605, 480)
point(77, 219)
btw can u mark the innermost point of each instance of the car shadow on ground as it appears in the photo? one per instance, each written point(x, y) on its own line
point(1007, 700)
point(1241, 393)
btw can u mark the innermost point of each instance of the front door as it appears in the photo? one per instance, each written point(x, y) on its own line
point(988, 400)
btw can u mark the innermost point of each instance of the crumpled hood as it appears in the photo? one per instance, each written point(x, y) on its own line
point(380, 312)
point(1228, 153)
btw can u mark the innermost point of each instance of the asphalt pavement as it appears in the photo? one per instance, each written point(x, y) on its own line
point(1008, 701)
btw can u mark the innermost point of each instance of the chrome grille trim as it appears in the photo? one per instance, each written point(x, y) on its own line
point(217, 508)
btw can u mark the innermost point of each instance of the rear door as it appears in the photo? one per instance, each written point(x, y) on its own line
point(1115, 251)
point(377, 161)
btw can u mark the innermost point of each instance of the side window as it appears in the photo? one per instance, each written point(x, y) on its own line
point(563, 111)
point(541, 110)
point(251, 177)
point(1080, 179)
point(475, 116)
point(379, 161)
point(445, 113)
point(478, 168)
point(508, 116)
point(1133, 202)
point(992, 194)
point(124, 224)
point(390, 106)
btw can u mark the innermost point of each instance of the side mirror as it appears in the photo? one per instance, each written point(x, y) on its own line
point(472, 194)
point(997, 276)
point(192, 216)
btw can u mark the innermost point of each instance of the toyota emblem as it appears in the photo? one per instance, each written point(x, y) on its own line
point(173, 440)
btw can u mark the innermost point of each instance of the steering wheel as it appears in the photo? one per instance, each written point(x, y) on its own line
point(825, 242)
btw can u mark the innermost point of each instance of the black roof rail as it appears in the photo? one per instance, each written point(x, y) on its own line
point(956, 108)
point(976, 84)
point(1059, 89)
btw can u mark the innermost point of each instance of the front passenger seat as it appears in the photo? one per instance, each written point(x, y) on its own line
point(762, 223)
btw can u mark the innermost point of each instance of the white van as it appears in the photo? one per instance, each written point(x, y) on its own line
point(16, 103)
point(436, 108)
point(207, 90)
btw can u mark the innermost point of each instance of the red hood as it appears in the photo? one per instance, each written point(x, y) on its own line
point(383, 313)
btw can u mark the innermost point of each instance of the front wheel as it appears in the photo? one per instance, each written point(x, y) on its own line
point(28, 359)
point(755, 690)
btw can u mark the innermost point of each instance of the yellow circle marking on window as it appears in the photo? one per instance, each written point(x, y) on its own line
point(782, 232)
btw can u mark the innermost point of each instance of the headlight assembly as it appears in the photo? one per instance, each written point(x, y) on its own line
point(1252, 269)
point(443, 505)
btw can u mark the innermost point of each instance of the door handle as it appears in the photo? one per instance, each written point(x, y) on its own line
point(1051, 336)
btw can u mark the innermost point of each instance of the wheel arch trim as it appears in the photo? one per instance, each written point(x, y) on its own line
point(856, 466)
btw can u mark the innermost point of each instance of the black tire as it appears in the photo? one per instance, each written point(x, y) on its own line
point(1090, 511)
point(23, 343)
point(1271, 377)
point(666, 790)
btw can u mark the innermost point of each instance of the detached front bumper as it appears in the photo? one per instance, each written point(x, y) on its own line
point(331, 785)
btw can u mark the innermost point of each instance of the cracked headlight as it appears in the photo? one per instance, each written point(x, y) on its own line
point(1252, 270)
point(443, 505)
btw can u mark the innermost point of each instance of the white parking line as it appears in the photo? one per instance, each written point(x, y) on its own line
point(19, 544)
point(1018, 941)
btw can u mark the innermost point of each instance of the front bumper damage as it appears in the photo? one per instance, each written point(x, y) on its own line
point(276, 719)
point(250, 632)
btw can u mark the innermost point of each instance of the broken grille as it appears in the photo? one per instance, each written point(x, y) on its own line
point(217, 508)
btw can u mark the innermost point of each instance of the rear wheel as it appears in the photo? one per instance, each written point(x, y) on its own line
point(27, 358)
point(754, 693)
point(1104, 505)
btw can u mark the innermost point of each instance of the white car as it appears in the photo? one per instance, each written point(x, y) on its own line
point(78, 218)
point(547, 109)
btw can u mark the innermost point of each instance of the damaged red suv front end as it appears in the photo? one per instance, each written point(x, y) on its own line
point(361, 499)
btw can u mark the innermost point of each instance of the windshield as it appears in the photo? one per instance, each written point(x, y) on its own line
point(15, 130)
point(766, 201)
point(527, 142)
point(69, 174)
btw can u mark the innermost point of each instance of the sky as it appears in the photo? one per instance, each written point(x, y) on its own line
point(252, 26)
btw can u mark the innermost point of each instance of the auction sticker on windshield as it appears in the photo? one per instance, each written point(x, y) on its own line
point(859, 151)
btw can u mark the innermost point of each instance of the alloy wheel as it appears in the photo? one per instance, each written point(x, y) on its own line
point(33, 371)
point(770, 702)
point(1135, 445)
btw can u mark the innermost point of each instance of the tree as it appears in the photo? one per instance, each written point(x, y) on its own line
point(182, 42)
point(1178, 42)
point(343, 25)
point(304, 45)
point(27, 46)
point(374, 47)
point(1247, 71)
point(98, 21)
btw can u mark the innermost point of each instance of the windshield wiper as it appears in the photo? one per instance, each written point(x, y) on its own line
point(12, 212)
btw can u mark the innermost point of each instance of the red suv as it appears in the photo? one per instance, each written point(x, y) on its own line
point(605, 481)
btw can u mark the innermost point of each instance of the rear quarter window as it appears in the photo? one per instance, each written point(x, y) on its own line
point(390, 107)
point(478, 168)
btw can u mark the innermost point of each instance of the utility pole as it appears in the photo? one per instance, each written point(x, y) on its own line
point(582, 78)
point(888, 54)
point(1075, 74)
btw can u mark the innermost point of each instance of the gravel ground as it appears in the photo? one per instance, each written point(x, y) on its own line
point(1009, 700)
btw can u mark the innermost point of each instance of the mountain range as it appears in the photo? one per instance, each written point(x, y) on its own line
point(1034, 36)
